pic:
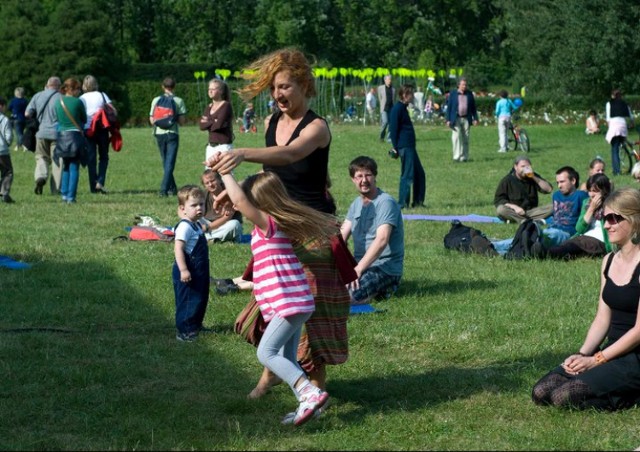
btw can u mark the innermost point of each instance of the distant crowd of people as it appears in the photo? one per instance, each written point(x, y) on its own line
point(71, 130)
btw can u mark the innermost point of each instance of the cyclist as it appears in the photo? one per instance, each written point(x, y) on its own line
point(618, 112)
point(504, 109)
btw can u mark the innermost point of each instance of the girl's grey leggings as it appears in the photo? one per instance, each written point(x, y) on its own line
point(278, 347)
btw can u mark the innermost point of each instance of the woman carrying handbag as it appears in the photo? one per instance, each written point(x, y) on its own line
point(71, 146)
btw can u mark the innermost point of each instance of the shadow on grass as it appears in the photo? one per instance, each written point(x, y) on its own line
point(411, 392)
point(78, 335)
point(413, 287)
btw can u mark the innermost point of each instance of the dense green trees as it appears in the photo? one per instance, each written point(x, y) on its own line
point(575, 47)
point(559, 49)
point(65, 37)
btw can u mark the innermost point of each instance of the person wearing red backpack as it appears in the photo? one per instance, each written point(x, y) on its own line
point(98, 142)
point(166, 130)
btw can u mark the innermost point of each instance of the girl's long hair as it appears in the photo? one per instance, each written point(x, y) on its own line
point(299, 222)
point(261, 72)
point(602, 184)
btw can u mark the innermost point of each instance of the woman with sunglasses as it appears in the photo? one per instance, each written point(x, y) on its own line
point(605, 371)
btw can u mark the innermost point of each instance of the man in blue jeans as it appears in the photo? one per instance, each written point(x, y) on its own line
point(403, 140)
point(168, 138)
point(374, 221)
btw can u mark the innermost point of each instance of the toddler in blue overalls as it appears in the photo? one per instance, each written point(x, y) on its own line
point(191, 266)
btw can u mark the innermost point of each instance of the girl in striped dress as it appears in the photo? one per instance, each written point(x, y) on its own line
point(280, 287)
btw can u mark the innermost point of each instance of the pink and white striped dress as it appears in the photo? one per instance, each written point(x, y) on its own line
point(279, 282)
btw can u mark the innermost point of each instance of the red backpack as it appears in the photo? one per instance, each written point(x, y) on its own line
point(147, 234)
point(150, 233)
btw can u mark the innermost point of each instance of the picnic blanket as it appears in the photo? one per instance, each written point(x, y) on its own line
point(468, 218)
point(362, 309)
point(6, 261)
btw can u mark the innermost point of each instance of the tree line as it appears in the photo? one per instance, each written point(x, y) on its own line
point(557, 49)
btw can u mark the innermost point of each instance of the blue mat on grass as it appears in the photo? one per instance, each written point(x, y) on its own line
point(469, 218)
point(6, 261)
point(362, 309)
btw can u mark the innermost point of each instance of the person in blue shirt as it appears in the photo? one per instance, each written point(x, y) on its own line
point(567, 204)
point(18, 107)
point(504, 109)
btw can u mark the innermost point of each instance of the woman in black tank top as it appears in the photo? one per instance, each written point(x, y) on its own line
point(605, 372)
point(297, 139)
point(297, 150)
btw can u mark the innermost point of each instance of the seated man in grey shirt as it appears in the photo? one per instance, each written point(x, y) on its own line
point(374, 220)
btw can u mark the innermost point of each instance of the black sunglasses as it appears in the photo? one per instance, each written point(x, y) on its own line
point(613, 218)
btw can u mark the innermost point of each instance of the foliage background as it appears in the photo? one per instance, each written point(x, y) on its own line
point(563, 52)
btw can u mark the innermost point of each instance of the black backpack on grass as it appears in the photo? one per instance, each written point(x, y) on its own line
point(527, 243)
point(468, 240)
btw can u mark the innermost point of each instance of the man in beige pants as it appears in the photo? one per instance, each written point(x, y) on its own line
point(42, 107)
point(461, 114)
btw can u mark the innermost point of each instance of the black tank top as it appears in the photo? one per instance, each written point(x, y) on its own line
point(623, 301)
point(306, 179)
point(618, 109)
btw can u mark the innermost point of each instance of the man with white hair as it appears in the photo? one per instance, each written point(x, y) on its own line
point(42, 107)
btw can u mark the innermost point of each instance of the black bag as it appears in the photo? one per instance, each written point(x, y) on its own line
point(527, 243)
point(468, 240)
point(31, 126)
point(71, 144)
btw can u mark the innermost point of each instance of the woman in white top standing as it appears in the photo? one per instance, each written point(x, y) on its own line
point(98, 143)
point(618, 113)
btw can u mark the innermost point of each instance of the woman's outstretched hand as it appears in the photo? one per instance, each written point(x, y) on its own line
point(225, 162)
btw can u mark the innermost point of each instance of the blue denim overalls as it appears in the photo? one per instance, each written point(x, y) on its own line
point(192, 297)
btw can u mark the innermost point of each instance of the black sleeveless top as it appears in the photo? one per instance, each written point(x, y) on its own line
point(618, 108)
point(623, 301)
point(306, 179)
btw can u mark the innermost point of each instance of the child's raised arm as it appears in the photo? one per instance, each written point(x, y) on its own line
point(242, 204)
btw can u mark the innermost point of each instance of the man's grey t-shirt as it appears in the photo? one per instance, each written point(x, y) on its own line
point(365, 220)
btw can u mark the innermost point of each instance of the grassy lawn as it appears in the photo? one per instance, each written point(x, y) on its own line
point(89, 360)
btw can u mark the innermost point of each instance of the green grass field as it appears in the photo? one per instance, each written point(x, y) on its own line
point(89, 360)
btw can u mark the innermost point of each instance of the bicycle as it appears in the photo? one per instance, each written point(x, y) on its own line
point(518, 137)
point(628, 155)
